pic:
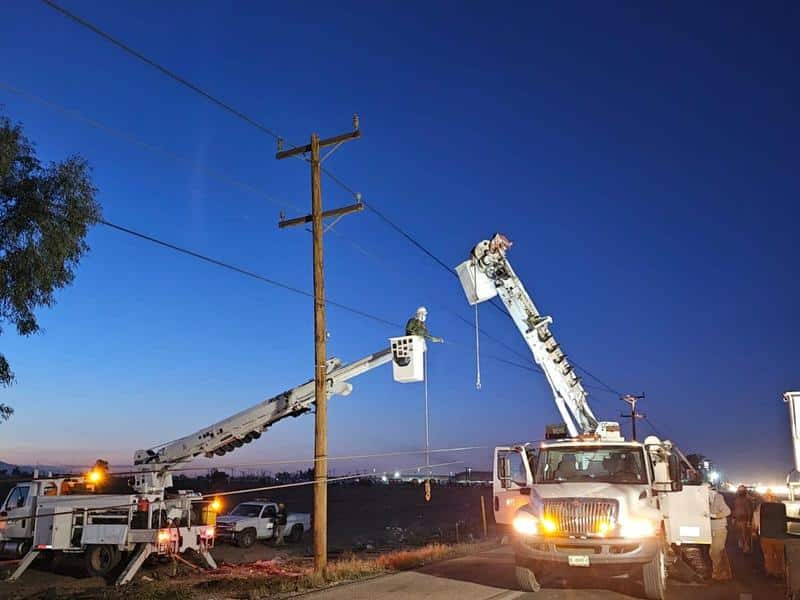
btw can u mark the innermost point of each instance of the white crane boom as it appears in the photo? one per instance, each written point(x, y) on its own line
point(154, 464)
point(488, 274)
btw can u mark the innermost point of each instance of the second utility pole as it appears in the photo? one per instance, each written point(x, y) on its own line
point(320, 515)
point(633, 416)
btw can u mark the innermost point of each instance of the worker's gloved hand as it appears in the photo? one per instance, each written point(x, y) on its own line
point(437, 340)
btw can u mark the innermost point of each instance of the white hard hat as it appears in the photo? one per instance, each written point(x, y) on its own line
point(422, 310)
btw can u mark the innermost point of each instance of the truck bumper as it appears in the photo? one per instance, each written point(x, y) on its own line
point(226, 535)
point(606, 556)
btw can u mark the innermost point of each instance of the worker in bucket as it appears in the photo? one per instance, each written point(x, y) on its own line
point(719, 512)
point(416, 325)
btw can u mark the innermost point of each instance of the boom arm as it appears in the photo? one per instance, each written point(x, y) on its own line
point(154, 464)
point(488, 274)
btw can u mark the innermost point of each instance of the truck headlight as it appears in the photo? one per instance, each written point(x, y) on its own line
point(637, 528)
point(526, 524)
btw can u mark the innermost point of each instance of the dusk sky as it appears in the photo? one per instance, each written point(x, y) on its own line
point(643, 159)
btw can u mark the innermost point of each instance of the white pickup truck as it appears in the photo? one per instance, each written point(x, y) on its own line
point(257, 520)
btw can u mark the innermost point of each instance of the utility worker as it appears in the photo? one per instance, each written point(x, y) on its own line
point(743, 518)
point(416, 325)
point(280, 524)
point(772, 532)
point(719, 511)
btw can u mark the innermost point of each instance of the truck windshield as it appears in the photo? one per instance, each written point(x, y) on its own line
point(610, 464)
point(247, 510)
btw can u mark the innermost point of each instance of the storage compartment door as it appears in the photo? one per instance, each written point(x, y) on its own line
point(686, 515)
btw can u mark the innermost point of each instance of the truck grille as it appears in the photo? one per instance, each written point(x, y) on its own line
point(581, 516)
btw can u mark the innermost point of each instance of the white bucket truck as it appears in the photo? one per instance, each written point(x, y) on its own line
point(585, 500)
point(48, 516)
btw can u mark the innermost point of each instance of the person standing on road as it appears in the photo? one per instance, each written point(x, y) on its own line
point(743, 518)
point(280, 524)
point(771, 525)
point(719, 511)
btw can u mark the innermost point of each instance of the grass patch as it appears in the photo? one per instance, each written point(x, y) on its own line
point(259, 580)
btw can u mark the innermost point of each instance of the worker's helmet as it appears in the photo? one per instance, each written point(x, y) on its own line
point(422, 313)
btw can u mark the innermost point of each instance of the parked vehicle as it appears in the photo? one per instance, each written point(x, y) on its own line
point(258, 520)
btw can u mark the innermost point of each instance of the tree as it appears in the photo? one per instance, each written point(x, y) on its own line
point(45, 213)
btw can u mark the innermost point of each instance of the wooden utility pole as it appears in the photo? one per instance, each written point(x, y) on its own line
point(633, 416)
point(320, 515)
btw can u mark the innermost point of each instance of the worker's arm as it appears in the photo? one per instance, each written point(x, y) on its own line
point(417, 327)
point(720, 508)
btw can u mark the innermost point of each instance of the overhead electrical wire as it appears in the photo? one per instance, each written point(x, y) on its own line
point(222, 176)
point(129, 470)
point(6, 519)
point(245, 272)
point(253, 122)
point(159, 67)
point(273, 282)
point(311, 481)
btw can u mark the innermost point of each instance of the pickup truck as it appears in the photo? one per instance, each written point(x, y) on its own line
point(256, 520)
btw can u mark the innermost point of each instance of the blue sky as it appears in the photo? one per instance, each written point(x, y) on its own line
point(642, 158)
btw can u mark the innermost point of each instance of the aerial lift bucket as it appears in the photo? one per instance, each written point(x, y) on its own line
point(408, 358)
point(478, 287)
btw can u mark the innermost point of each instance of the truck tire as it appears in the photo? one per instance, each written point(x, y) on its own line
point(526, 579)
point(101, 559)
point(654, 577)
point(296, 534)
point(246, 538)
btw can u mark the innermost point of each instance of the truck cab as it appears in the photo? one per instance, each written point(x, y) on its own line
point(597, 504)
point(18, 508)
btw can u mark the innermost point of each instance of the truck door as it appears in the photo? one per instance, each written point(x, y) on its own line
point(511, 483)
point(266, 524)
point(686, 511)
point(18, 509)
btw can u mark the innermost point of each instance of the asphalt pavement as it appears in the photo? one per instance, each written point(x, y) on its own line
point(490, 576)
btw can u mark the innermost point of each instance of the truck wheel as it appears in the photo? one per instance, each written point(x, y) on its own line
point(654, 576)
point(101, 559)
point(246, 538)
point(296, 534)
point(526, 579)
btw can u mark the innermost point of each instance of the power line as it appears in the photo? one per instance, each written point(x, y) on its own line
point(129, 470)
point(273, 282)
point(230, 493)
point(251, 121)
point(245, 272)
point(327, 480)
point(222, 176)
point(152, 148)
point(159, 67)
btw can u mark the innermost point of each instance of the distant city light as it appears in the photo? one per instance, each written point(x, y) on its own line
point(384, 479)
point(713, 477)
point(397, 474)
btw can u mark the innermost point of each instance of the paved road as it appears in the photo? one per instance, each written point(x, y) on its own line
point(490, 576)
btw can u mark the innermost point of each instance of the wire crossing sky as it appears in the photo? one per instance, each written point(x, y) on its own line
point(642, 159)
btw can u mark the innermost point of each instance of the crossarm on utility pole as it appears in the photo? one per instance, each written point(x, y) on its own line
point(337, 139)
point(335, 212)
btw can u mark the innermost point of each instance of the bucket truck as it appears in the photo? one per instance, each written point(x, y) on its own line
point(585, 500)
point(42, 516)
